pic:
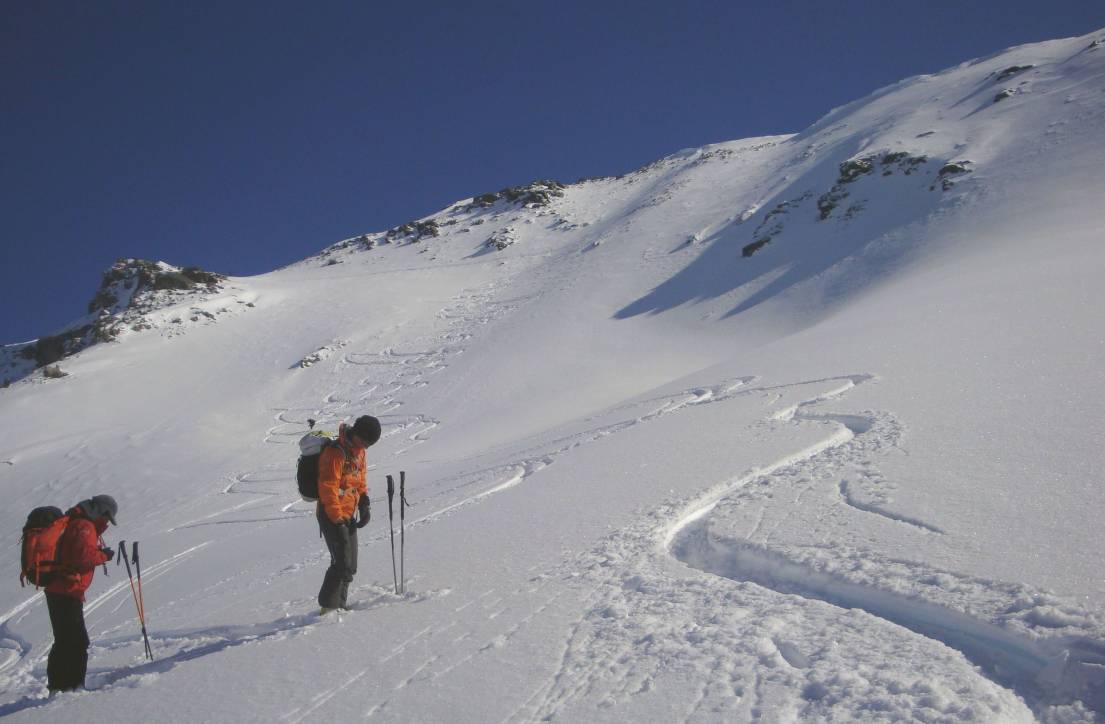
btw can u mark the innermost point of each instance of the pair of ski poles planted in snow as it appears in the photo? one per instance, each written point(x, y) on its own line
point(400, 578)
point(136, 591)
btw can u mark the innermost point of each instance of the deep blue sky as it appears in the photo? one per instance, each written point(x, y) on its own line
point(241, 136)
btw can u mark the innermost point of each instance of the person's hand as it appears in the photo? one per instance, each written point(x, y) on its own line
point(109, 552)
point(364, 509)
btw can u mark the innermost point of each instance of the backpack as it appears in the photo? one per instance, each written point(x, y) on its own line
point(40, 543)
point(311, 446)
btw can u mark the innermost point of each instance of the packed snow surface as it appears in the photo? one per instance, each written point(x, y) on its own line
point(794, 428)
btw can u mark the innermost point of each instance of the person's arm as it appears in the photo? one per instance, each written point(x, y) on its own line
point(329, 482)
point(362, 484)
point(82, 551)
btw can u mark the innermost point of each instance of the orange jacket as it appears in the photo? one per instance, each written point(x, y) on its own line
point(341, 479)
point(79, 551)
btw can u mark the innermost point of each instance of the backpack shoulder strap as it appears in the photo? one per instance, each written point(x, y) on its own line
point(61, 538)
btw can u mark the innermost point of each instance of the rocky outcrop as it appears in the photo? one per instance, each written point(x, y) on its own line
point(413, 231)
point(129, 290)
point(533, 195)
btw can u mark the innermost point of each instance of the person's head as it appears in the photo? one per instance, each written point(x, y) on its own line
point(365, 431)
point(100, 507)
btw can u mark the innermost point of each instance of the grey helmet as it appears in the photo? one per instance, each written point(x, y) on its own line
point(100, 506)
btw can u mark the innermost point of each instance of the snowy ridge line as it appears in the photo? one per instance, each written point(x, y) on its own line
point(1052, 672)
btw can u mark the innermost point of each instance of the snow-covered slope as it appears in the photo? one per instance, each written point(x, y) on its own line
point(801, 427)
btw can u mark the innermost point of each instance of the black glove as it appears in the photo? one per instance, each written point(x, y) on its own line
point(364, 509)
point(109, 552)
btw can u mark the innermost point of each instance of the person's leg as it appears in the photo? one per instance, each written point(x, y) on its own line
point(350, 565)
point(335, 583)
point(68, 660)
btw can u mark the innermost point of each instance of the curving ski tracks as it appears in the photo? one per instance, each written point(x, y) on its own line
point(1044, 673)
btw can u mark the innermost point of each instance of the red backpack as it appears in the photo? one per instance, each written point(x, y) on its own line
point(40, 543)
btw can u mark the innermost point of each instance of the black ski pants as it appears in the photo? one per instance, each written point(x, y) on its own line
point(68, 662)
point(341, 540)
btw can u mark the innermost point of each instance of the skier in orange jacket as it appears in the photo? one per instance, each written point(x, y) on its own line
point(342, 497)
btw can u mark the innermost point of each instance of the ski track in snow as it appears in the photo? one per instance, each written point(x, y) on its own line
point(394, 372)
point(19, 663)
point(581, 673)
point(397, 372)
point(463, 639)
point(1051, 674)
point(588, 672)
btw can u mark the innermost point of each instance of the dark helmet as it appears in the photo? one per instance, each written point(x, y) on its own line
point(100, 506)
point(367, 428)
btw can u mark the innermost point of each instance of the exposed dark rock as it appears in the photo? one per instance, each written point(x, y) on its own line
point(485, 200)
point(137, 275)
point(128, 290)
point(48, 350)
point(755, 246)
point(533, 195)
point(414, 231)
point(1007, 93)
point(954, 167)
point(1013, 70)
point(853, 169)
point(501, 239)
point(772, 224)
point(949, 172)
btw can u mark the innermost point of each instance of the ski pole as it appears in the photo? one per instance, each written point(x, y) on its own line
point(403, 505)
point(134, 593)
point(141, 598)
point(391, 527)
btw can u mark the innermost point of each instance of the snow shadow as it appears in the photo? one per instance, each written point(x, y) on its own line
point(1044, 673)
point(192, 644)
point(801, 246)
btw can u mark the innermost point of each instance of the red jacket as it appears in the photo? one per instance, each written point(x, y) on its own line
point(79, 551)
point(341, 478)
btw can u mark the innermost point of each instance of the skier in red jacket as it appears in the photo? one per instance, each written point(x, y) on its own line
point(80, 550)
